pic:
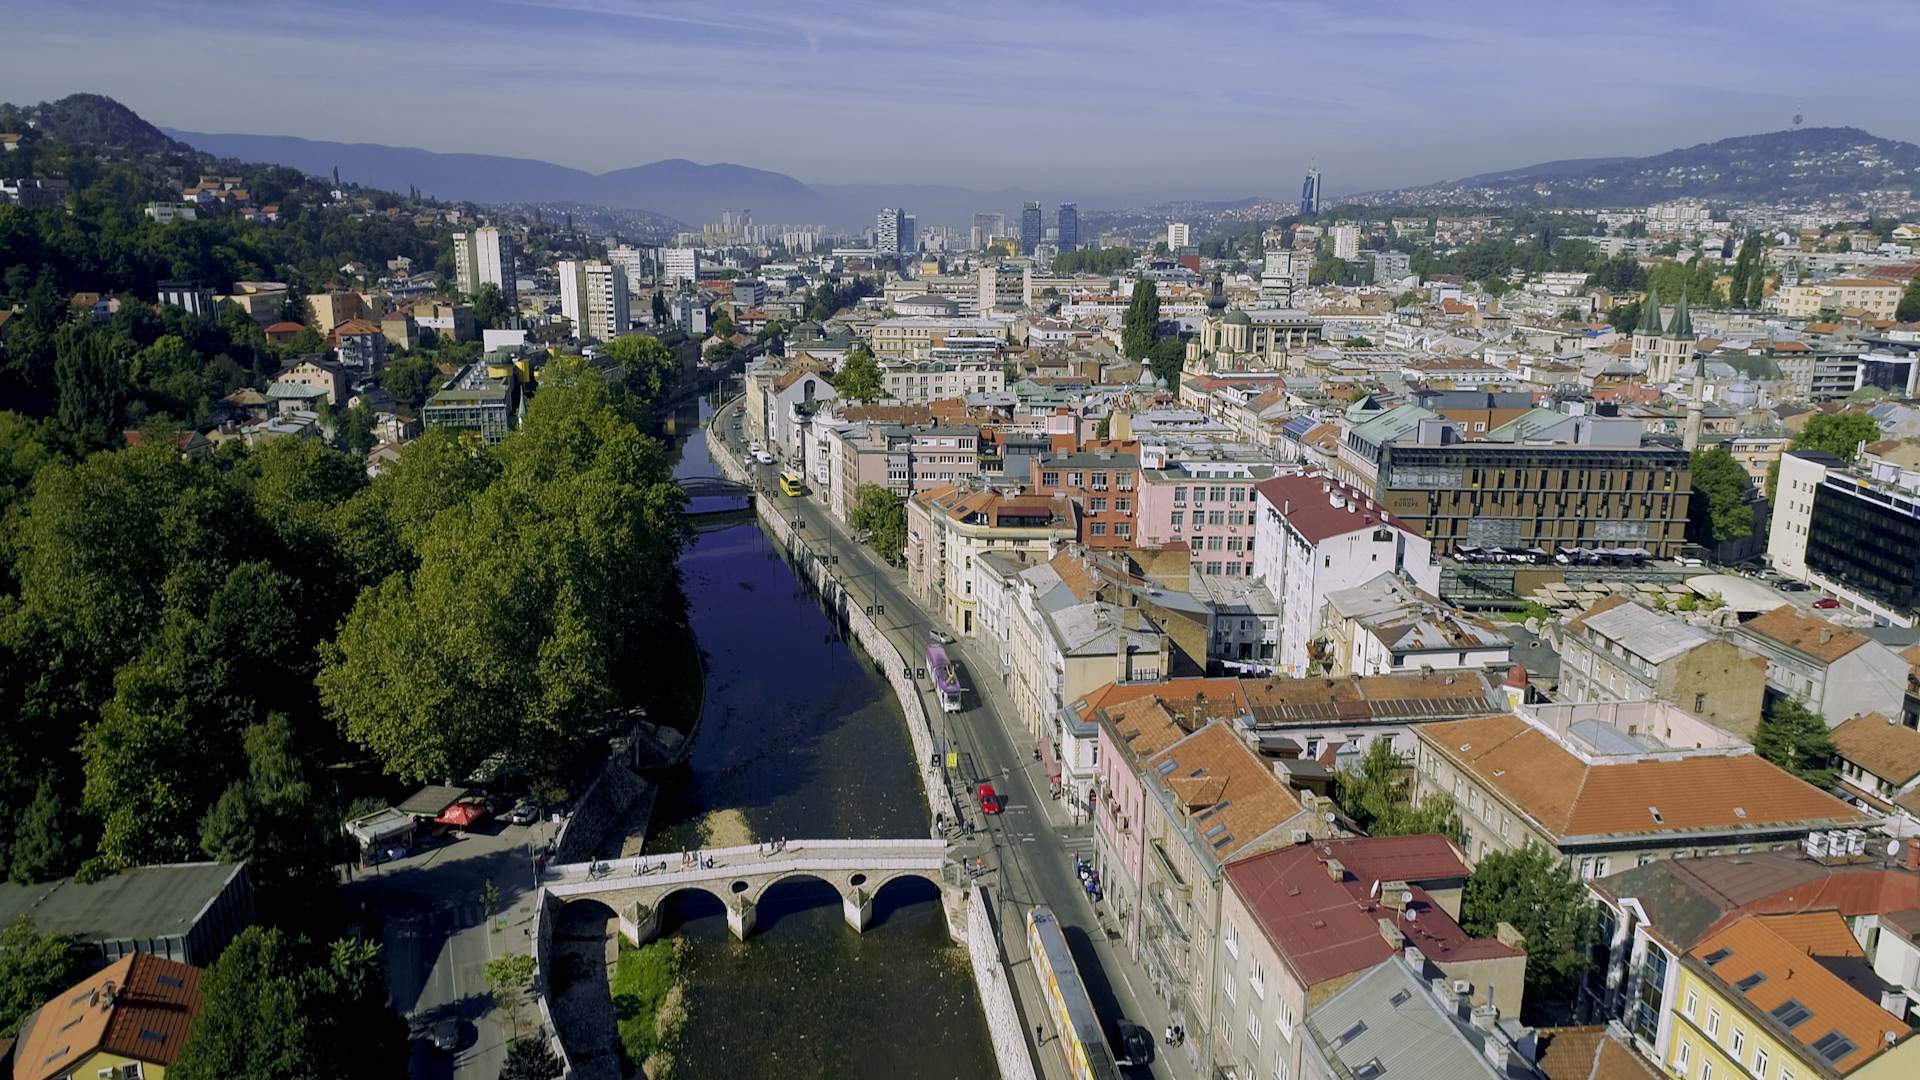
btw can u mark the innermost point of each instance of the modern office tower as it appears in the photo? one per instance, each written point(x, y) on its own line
point(593, 296)
point(909, 234)
point(1310, 193)
point(889, 228)
point(1177, 235)
point(485, 257)
point(986, 229)
point(1069, 226)
point(680, 265)
point(1033, 228)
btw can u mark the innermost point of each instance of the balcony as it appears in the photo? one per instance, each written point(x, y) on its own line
point(1167, 870)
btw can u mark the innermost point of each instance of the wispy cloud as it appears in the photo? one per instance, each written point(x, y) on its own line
point(1213, 96)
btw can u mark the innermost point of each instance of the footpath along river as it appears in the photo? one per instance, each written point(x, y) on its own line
point(801, 738)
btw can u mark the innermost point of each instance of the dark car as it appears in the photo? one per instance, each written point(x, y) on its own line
point(445, 1035)
point(1132, 1044)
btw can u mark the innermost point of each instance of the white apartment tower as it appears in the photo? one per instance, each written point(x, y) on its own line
point(485, 257)
point(889, 229)
point(1177, 235)
point(1346, 242)
point(680, 266)
point(635, 262)
point(593, 295)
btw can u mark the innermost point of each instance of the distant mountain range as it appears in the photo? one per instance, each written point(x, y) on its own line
point(1801, 163)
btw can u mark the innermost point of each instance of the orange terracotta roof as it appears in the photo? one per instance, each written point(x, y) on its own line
point(1787, 950)
point(1887, 749)
point(1571, 798)
point(1231, 798)
point(140, 1007)
point(1589, 1053)
point(1808, 634)
point(355, 326)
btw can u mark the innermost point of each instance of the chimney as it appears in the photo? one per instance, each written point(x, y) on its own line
point(1894, 1002)
point(1394, 895)
point(1486, 1017)
point(1415, 959)
point(1912, 861)
point(1391, 934)
point(1336, 870)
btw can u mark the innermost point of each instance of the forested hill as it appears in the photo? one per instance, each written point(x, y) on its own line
point(223, 654)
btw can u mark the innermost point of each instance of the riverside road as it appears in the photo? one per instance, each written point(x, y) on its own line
point(1035, 844)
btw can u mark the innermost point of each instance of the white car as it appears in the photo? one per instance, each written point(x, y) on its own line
point(763, 457)
point(753, 447)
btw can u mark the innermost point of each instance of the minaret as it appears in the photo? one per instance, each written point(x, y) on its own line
point(1691, 440)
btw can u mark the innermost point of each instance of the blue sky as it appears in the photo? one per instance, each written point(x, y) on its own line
point(1210, 97)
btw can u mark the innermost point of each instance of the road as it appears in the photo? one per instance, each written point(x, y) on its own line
point(438, 942)
point(1034, 844)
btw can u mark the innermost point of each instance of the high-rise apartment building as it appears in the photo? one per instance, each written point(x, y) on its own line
point(485, 257)
point(593, 296)
point(909, 234)
point(889, 227)
point(1068, 221)
point(1346, 242)
point(635, 262)
point(680, 266)
point(1033, 228)
point(1177, 235)
point(1310, 193)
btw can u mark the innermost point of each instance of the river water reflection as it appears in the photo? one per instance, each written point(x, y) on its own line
point(801, 738)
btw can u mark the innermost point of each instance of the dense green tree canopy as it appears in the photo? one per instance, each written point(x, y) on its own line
point(1532, 891)
point(1719, 510)
point(1141, 327)
point(882, 516)
point(1378, 795)
point(859, 377)
point(34, 967)
point(1796, 738)
point(1839, 434)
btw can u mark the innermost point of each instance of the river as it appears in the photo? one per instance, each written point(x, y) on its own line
point(801, 738)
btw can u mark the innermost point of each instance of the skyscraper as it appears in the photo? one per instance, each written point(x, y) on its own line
point(1177, 235)
point(680, 265)
point(1069, 221)
point(593, 296)
point(889, 228)
point(485, 257)
point(987, 227)
point(1346, 242)
point(1032, 228)
point(1310, 193)
point(909, 234)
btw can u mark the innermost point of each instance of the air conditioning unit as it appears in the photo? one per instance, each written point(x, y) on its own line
point(1462, 987)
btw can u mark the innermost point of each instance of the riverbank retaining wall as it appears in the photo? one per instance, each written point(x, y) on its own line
point(996, 992)
point(604, 806)
point(543, 918)
point(862, 628)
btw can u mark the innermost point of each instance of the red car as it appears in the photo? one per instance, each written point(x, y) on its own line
point(1826, 603)
point(989, 799)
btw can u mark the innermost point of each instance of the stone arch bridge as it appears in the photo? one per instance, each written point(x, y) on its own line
point(637, 888)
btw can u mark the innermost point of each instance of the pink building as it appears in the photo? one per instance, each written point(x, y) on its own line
point(1208, 505)
point(1137, 721)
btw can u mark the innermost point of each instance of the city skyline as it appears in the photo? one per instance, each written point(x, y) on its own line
point(823, 80)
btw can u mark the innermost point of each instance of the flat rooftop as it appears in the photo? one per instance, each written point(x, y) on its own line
point(143, 902)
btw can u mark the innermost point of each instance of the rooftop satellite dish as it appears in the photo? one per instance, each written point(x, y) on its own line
point(1893, 848)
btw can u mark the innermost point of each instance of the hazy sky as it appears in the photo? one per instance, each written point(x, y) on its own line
point(1210, 97)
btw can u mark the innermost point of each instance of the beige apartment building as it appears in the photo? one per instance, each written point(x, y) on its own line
point(949, 527)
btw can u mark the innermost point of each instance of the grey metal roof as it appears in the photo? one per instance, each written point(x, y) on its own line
point(1387, 1025)
point(142, 902)
point(1649, 633)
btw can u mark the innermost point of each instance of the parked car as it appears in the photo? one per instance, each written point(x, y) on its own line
point(524, 812)
point(1132, 1044)
point(763, 457)
point(445, 1035)
point(989, 799)
point(1826, 603)
point(939, 636)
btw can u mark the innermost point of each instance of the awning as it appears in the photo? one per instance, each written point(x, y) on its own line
point(1050, 759)
point(461, 815)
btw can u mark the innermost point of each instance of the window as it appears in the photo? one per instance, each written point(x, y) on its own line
point(1226, 982)
point(1713, 1024)
point(1760, 1062)
point(1179, 496)
point(1257, 982)
point(1098, 528)
point(1123, 529)
point(1179, 517)
point(1684, 1056)
point(1232, 941)
point(1284, 1021)
point(1739, 1042)
point(1699, 703)
point(1097, 505)
point(1706, 1070)
point(1049, 479)
point(1692, 1004)
point(1125, 506)
point(1073, 479)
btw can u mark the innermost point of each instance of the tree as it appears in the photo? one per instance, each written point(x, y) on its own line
point(859, 377)
point(661, 316)
point(1796, 738)
point(1531, 891)
point(1141, 325)
point(1496, 286)
point(490, 310)
point(1839, 434)
point(90, 375)
point(530, 1058)
point(510, 977)
point(411, 380)
point(33, 968)
point(1378, 796)
point(274, 1007)
point(722, 325)
point(1167, 359)
point(278, 820)
point(1908, 309)
point(1719, 510)
point(356, 430)
point(882, 515)
point(649, 365)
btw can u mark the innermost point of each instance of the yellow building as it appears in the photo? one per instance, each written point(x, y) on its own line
point(1786, 997)
point(127, 1021)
